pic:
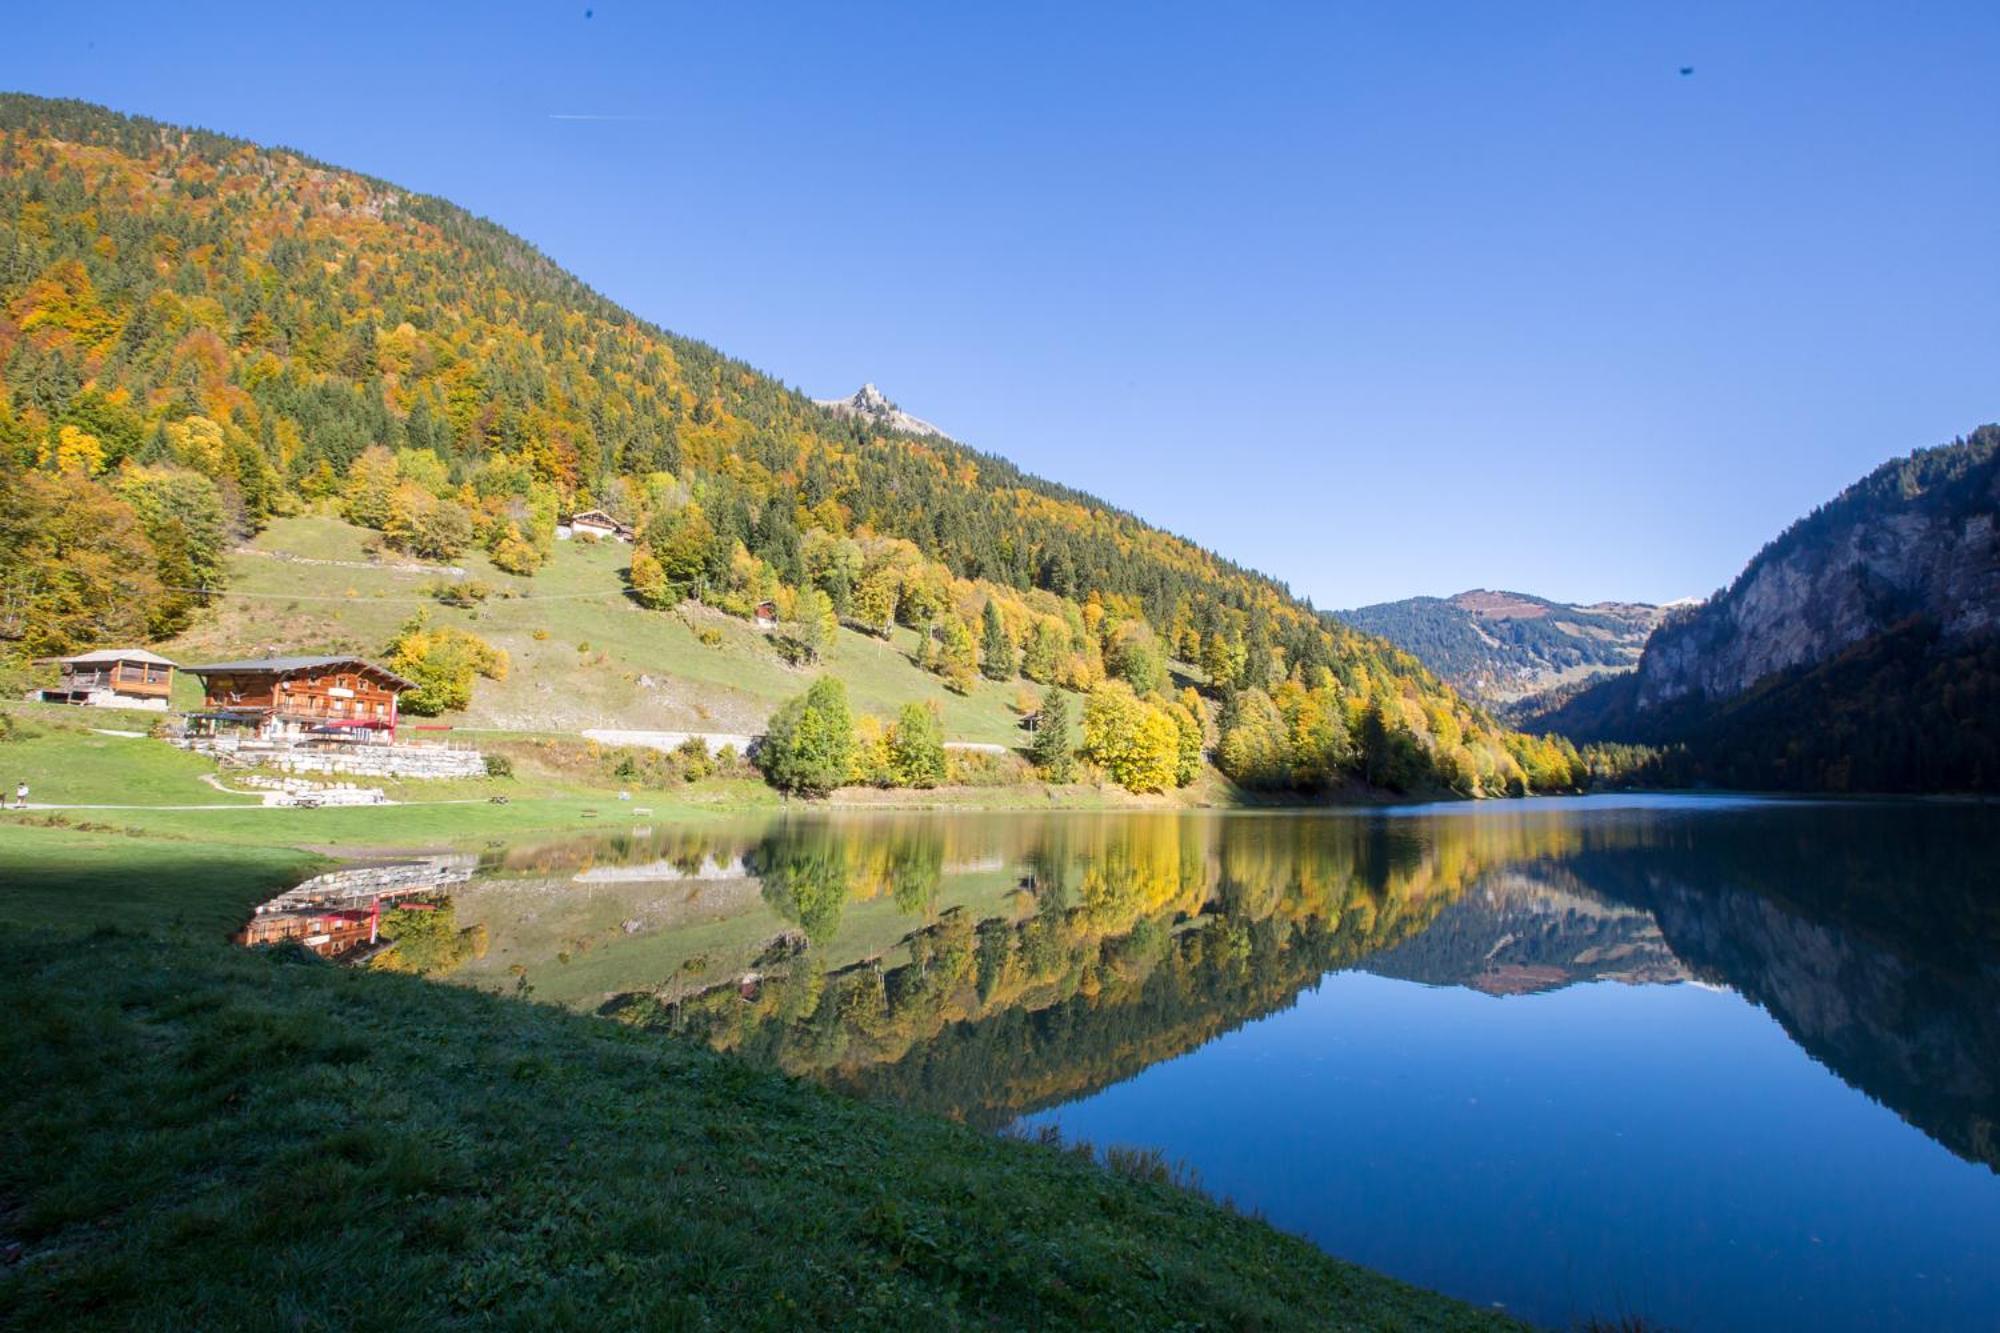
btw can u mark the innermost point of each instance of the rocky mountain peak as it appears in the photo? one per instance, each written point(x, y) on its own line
point(871, 404)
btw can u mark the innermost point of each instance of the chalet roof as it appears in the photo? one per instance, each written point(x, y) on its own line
point(119, 655)
point(599, 518)
point(285, 666)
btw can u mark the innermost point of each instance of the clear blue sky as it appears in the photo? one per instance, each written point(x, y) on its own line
point(1385, 301)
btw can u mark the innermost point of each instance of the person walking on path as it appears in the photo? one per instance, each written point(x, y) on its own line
point(20, 796)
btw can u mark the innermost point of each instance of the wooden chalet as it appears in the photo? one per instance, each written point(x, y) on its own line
point(114, 678)
point(300, 698)
point(595, 523)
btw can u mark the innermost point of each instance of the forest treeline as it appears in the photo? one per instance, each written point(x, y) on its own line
point(197, 334)
point(1909, 710)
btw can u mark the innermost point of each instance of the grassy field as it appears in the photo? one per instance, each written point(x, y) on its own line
point(71, 878)
point(600, 661)
point(193, 1135)
point(197, 1137)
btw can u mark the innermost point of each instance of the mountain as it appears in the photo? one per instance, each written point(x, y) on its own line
point(870, 405)
point(1860, 650)
point(199, 336)
point(1504, 646)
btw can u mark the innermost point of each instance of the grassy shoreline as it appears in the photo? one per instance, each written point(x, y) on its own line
point(281, 1136)
point(266, 1127)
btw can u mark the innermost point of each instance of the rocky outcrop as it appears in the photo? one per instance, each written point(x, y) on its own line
point(1916, 538)
point(870, 404)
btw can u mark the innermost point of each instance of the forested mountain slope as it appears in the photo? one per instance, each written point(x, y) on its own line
point(197, 334)
point(1503, 646)
point(1859, 650)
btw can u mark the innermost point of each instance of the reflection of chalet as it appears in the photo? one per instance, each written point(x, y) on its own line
point(114, 678)
point(328, 932)
point(297, 698)
point(594, 523)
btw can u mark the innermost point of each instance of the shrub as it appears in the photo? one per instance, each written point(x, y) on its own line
point(983, 768)
point(692, 757)
point(459, 592)
point(499, 766)
point(442, 662)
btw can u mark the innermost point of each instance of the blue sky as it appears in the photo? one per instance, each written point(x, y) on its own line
point(1386, 300)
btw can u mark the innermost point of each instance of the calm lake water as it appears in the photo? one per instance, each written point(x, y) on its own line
point(1724, 1063)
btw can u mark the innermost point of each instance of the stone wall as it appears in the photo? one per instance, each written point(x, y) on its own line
point(365, 761)
point(383, 761)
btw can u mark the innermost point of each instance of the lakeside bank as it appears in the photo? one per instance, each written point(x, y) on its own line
point(264, 1126)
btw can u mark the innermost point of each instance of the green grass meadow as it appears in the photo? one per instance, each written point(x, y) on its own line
point(198, 1136)
point(580, 650)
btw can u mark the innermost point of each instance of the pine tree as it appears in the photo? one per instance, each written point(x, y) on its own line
point(954, 656)
point(996, 649)
point(1046, 646)
point(1054, 747)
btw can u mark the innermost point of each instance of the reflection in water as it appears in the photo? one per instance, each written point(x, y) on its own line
point(996, 965)
point(989, 967)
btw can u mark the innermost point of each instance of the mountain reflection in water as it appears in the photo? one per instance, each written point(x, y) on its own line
point(985, 967)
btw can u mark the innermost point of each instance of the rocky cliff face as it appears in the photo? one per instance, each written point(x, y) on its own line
point(872, 405)
point(1916, 538)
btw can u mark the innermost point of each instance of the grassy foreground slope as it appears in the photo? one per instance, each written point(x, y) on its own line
point(195, 1136)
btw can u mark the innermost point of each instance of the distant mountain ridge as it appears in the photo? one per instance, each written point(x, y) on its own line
point(1504, 646)
point(871, 405)
point(1858, 650)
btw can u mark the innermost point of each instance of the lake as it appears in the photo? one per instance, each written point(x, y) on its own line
point(1724, 1063)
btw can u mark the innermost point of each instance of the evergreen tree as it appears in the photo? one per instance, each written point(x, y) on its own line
point(1054, 746)
point(953, 655)
point(996, 649)
point(1048, 643)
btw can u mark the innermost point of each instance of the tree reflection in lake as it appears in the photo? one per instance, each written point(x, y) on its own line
point(995, 967)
